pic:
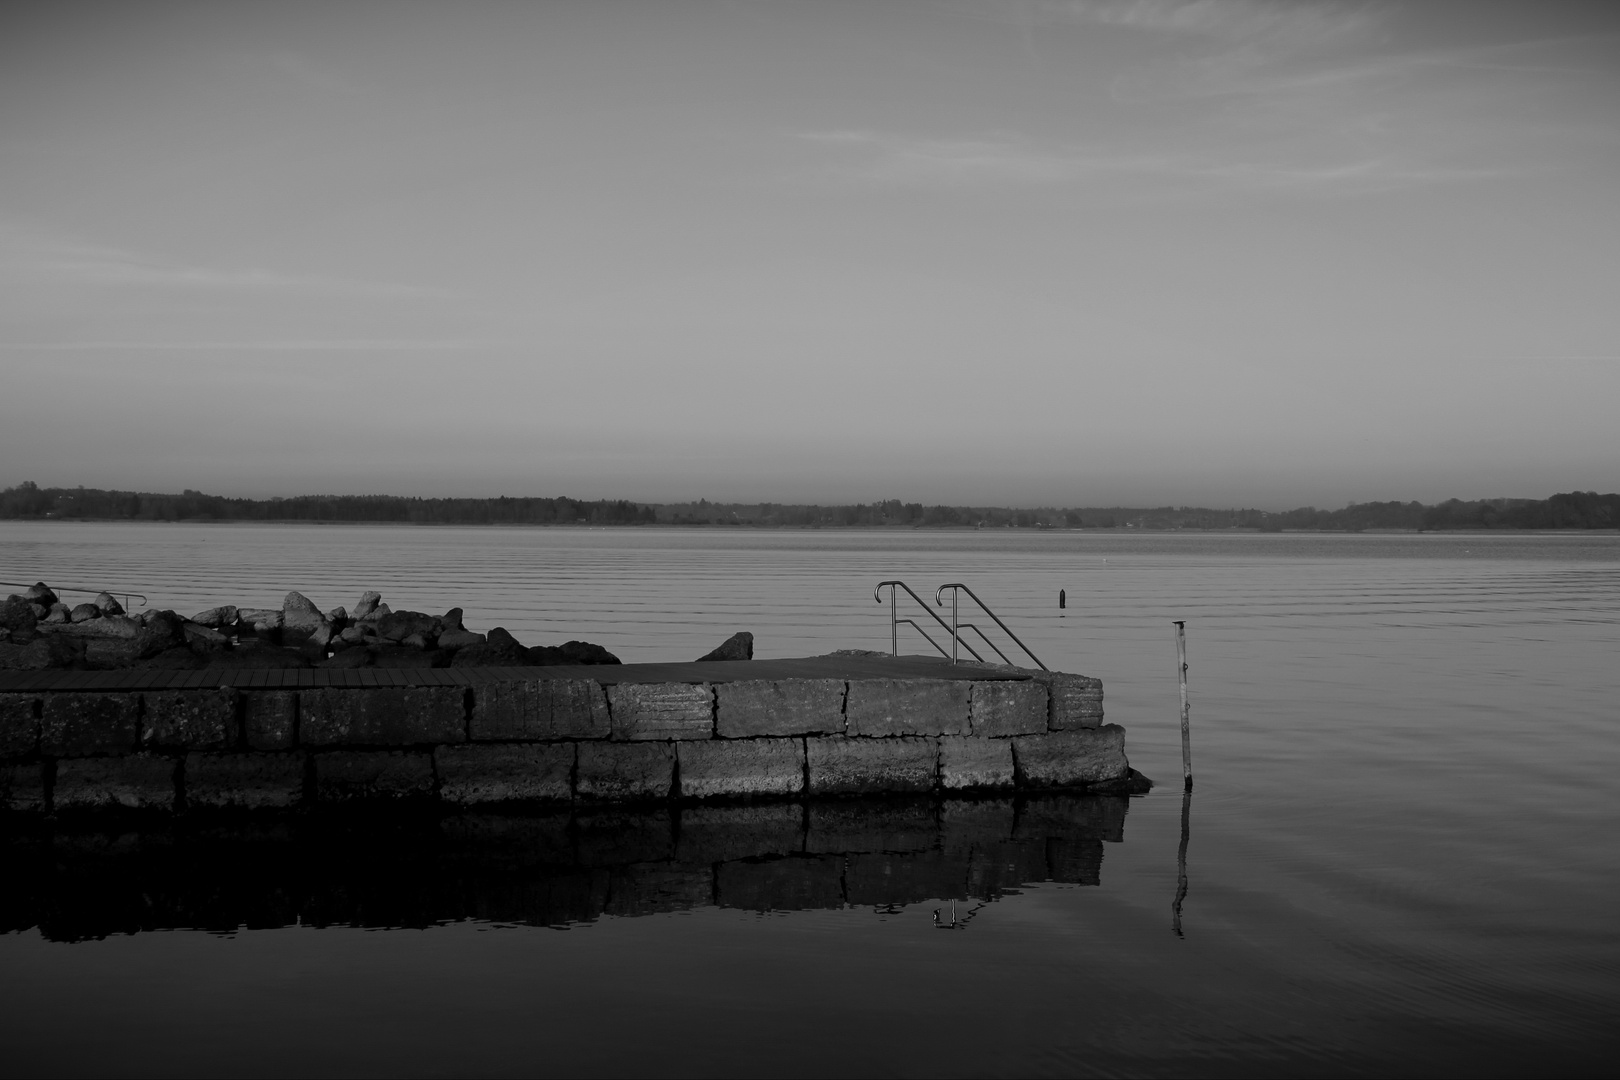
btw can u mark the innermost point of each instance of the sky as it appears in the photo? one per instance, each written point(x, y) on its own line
point(1021, 253)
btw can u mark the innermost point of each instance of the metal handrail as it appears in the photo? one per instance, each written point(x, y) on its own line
point(957, 588)
point(987, 641)
point(894, 621)
point(72, 588)
point(937, 646)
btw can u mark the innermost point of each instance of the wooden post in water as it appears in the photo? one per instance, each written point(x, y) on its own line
point(1186, 719)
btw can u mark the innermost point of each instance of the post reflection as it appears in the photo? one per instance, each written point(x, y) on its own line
point(1181, 864)
point(546, 870)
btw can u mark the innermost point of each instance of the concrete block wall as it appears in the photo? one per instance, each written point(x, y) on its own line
point(553, 741)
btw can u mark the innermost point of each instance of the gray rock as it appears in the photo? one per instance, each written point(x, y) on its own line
point(202, 635)
point(58, 614)
point(354, 635)
point(739, 646)
point(111, 626)
point(457, 639)
point(338, 615)
point(216, 617)
point(416, 641)
point(84, 613)
point(451, 620)
point(583, 652)
point(368, 603)
point(17, 619)
point(399, 625)
point(500, 650)
point(379, 612)
point(163, 630)
point(107, 604)
point(39, 593)
point(256, 617)
point(298, 613)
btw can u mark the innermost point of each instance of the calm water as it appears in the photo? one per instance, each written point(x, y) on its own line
point(1401, 850)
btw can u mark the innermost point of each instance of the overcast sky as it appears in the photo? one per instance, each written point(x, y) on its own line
point(1073, 253)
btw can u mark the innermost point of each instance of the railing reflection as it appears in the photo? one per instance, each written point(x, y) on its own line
point(546, 870)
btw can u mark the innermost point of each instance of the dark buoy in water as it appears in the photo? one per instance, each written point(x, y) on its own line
point(1063, 599)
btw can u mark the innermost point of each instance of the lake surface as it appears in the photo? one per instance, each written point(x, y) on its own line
point(1401, 849)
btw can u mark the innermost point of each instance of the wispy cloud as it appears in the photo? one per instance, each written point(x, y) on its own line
point(903, 161)
point(31, 258)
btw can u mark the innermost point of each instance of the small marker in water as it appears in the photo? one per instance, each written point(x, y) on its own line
point(1063, 599)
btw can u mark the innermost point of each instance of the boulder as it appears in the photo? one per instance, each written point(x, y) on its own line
point(216, 617)
point(110, 653)
point(583, 652)
point(39, 593)
point(368, 603)
point(451, 620)
point(547, 656)
point(84, 613)
point(354, 635)
point(417, 641)
point(43, 652)
point(163, 630)
point(399, 625)
point(59, 614)
point(108, 604)
point(458, 639)
point(316, 644)
point(256, 617)
point(17, 620)
point(378, 612)
point(500, 649)
point(203, 639)
point(110, 626)
point(338, 616)
point(297, 613)
point(739, 646)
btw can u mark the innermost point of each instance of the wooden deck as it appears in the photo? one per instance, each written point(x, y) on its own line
point(813, 667)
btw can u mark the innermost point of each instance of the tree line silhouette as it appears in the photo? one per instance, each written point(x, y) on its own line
point(1569, 510)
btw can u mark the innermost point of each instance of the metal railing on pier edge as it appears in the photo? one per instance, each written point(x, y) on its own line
point(954, 628)
point(125, 596)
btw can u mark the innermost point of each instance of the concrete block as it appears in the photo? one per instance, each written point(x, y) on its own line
point(796, 883)
point(882, 878)
point(655, 887)
point(1008, 708)
point(859, 766)
point(22, 786)
point(907, 707)
point(879, 824)
point(270, 719)
point(1077, 701)
point(539, 709)
point(372, 774)
point(19, 725)
point(625, 771)
point(133, 781)
point(253, 781)
point(662, 711)
point(755, 707)
point(505, 772)
point(76, 725)
point(382, 716)
point(188, 719)
point(1063, 758)
point(720, 768)
point(975, 763)
point(711, 834)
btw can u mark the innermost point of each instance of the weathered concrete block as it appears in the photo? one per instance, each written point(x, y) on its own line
point(133, 781)
point(1077, 701)
point(719, 768)
point(840, 766)
point(538, 709)
point(372, 774)
point(796, 883)
point(966, 763)
point(662, 711)
point(619, 771)
point(270, 719)
point(253, 781)
point(650, 888)
point(508, 772)
point(382, 716)
point(22, 786)
point(711, 834)
point(1061, 758)
point(73, 725)
point(1010, 708)
point(907, 707)
point(189, 719)
point(19, 725)
point(779, 707)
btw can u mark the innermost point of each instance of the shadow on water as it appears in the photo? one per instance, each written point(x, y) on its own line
point(417, 870)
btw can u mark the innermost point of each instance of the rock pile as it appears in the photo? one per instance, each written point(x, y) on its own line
point(37, 630)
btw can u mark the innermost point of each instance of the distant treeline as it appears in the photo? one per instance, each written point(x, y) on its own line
point(1572, 510)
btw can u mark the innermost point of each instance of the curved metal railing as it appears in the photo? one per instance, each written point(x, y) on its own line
point(895, 621)
point(957, 588)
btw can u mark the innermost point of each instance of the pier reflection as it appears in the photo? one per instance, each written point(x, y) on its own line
point(543, 870)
